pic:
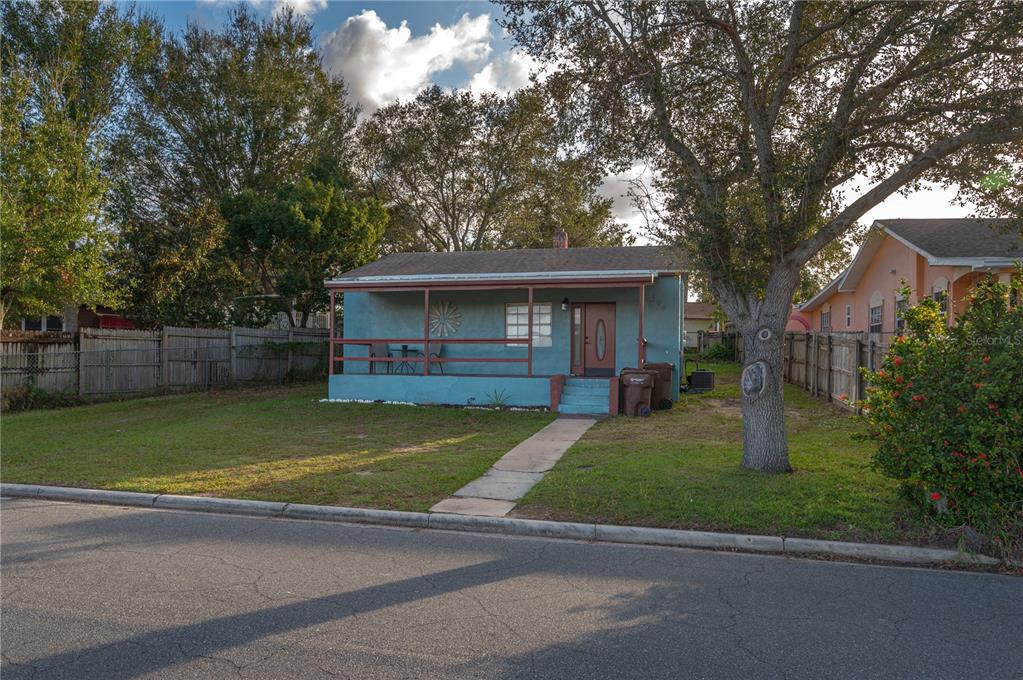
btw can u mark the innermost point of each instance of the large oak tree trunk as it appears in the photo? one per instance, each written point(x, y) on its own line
point(761, 324)
point(765, 444)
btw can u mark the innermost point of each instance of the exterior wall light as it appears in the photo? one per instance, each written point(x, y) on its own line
point(564, 305)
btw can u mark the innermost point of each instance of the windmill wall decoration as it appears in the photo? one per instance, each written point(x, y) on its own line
point(445, 318)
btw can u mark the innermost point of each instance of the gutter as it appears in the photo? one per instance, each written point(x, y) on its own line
point(502, 276)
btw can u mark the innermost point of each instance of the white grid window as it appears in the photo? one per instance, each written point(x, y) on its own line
point(516, 323)
point(826, 320)
point(901, 304)
point(876, 317)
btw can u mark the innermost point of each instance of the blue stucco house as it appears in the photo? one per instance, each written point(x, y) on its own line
point(548, 327)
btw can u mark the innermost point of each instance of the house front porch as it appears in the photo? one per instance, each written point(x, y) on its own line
point(540, 339)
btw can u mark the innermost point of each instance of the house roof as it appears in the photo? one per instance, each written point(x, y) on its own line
point(512, 265)
point(957, 238)
point(700, 310)
point(956, 242)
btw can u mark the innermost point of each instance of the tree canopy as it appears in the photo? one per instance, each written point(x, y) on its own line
point(291, 241)
point(65, 68)
point(764, 119)
point(247, 108)
point(461, 171)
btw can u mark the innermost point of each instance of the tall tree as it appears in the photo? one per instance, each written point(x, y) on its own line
point(244, 107)
point(65, 67)
point(459, 171)
point(293, 240)
point(758, 115)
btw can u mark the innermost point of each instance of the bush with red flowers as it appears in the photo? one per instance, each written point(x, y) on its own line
point(946, 413)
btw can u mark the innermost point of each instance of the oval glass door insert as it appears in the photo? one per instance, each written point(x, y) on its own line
point(601, 340)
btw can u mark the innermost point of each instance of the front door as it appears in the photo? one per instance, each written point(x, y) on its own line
point(593, 339)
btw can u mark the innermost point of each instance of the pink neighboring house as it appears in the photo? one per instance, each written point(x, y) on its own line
point(938, 258)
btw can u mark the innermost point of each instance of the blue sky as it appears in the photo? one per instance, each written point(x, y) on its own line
point(391, 50)
point(331, 16)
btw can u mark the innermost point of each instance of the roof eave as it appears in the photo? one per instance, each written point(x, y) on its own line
point(406, 280)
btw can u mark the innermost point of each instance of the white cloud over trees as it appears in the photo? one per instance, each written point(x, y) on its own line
point(381, 64)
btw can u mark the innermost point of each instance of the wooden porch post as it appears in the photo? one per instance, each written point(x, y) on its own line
point(641, 350)
point(529, 333)
point(426, 331)
point(330, 335)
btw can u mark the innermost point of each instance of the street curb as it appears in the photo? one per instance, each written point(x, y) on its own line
point(603, 533)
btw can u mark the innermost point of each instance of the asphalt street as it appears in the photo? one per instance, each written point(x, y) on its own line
point(115, 593)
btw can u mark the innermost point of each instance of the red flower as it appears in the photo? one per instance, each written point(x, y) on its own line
point(986, 360)
point(844, 397)
point(897, 360)
point(899, 379)
point(977, 386)
point(918, 397)
point(896, 394)
point(935, 496)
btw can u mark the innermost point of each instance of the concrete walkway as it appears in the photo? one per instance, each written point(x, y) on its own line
point(494, 494)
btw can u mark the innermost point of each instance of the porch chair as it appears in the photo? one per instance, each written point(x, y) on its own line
point(379, 350)
point(437, 355)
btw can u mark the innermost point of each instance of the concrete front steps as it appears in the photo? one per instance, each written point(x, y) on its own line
point(584, 396)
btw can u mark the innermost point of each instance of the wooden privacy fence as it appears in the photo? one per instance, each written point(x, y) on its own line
point(827, 365)
point(108, 362)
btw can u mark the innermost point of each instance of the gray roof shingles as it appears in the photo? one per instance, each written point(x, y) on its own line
point(955, 237)
point(527, 260)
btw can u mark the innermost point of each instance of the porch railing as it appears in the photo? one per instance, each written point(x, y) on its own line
point(426, 359)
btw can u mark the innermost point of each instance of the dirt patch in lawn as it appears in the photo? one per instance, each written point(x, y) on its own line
point(731, 407)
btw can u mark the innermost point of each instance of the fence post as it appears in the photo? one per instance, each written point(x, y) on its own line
point(78, 355)
point(789, 338)
point(232, 370)
point(164, 366)
point(857, 364)
point(816, 365)
point(831, 364)
point(291, 335)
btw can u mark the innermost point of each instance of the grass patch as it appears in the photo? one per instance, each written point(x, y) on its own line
point(275, 443)
point(681, 469)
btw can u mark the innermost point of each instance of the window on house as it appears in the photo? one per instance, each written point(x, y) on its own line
point(54, 323)
point(848, 316)
point(876, 317)
point(941, 297)
point(900, 320)
point(826, 320)
point(1013, 297)
point(32, 324)
point(516, 322)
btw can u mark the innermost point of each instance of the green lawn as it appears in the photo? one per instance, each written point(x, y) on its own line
point(277, 443)
point(680, 468)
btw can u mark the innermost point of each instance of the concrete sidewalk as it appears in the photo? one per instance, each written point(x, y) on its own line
point(494, 494)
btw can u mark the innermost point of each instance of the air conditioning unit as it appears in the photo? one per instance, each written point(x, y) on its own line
point(700, 380)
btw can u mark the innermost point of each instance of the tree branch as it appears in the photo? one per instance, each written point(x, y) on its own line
point(1000, 131)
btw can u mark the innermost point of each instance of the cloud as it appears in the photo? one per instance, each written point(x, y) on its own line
point(304, 7)
point(507, 73)
point(617, 188)
point(382, 64)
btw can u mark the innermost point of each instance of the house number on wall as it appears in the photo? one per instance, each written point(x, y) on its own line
point(444, 319)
